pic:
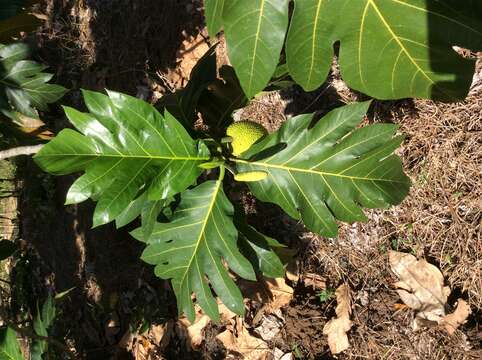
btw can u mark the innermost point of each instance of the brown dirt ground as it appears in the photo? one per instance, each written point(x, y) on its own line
point(140, 48)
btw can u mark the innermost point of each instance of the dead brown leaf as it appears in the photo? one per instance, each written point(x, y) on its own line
point(162, 334)
point(273, 293)
point(421, 286)
point(250, 347)
point(452, 321)
point(336, 329)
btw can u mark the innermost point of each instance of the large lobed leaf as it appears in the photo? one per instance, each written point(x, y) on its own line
point(255, 31)
point(125, 147)
point(389, 49)
point(24, 86)
point(327, 172)
point(189, 249)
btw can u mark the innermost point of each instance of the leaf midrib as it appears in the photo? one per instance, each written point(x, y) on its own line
point(313, 44)
point(320, 173)
point(127, 156)
point(255, 49)
point(201, 232)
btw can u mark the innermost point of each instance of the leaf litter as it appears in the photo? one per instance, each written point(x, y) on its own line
point(336, 329)
point(421, 288)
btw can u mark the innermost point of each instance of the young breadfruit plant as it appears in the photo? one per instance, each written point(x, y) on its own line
point(139, 162)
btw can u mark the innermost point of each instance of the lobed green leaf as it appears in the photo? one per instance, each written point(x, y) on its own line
point(24, 86)
point(329, 171)
point(255, 33)
point(389, 49)
point(125, 147)
point(189, 249)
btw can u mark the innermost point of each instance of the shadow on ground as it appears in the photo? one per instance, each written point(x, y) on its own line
point(113, 44)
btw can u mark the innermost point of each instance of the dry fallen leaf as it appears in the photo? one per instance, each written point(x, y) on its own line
point(421, 286)
point(193, 333)
point(452, 321)
point(272, 293)
point(336, 329)
point(250, 347)
point(270, 326)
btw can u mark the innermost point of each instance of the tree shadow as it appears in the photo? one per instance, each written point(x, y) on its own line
point(453, 22)
point(94, 44)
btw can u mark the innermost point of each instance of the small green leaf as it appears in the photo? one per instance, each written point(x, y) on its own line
point(9, 346)
point(189, 248)
point(63, 294)
point(326, 295)
point(23, 84)
point(42, 323)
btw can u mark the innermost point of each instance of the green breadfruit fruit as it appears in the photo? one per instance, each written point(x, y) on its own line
point(251, 176)
point(244, 134)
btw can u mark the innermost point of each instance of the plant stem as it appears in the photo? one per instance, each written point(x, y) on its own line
point(21, 150)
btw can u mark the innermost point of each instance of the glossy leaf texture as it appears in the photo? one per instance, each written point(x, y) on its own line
point(213, 11)
point(255, 32)
point(308, 52)
point(125, 147)
point(258, 248)
point(389, 49)
point(24, 85)
point(9, 346)
point(329, 171)
point(189, 249)
point(142, 207)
